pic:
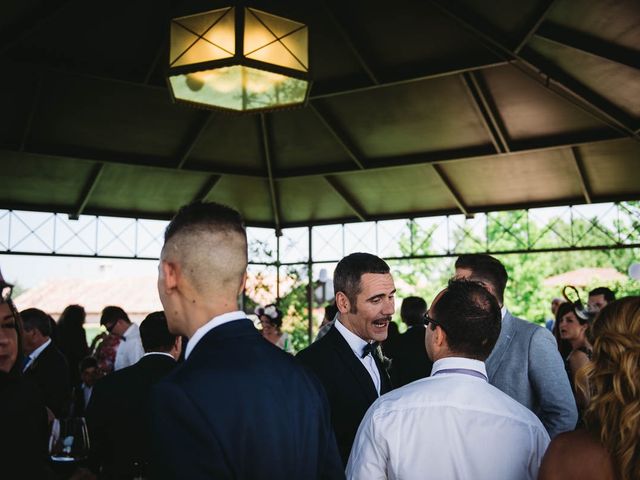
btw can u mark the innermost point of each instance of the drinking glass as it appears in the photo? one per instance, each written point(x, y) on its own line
point(69, 440)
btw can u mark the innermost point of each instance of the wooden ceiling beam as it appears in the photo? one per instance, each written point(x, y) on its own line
point(488, 111)
point(582, 174)
point(464, 154)
point(330, 88)
point(347, 198)
point(87, 191)
point(544, 72)
point(207, 188)
point(457, 198)
point(143, 161)
point(589, 44)
point(355, 51)
point(539, 17)
point(339, 135)
point(193, 137)
point(265, 137)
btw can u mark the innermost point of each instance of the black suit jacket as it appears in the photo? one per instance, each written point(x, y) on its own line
point(24, 430)
point(118, 417)
point(51, 374)
point(347, 382)
point(241, 408)
point(410, 360)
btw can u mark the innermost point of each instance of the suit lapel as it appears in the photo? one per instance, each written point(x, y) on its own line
point(502, 345)
point(353, 364)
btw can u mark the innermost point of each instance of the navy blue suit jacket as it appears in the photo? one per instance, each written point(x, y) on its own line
point(241, 408)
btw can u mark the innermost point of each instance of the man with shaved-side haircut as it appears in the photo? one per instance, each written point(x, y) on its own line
point(238, 407)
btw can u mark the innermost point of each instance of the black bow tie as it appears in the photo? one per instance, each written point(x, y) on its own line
point(369, 348)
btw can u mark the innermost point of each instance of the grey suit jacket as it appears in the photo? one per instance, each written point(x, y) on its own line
point(526, 365)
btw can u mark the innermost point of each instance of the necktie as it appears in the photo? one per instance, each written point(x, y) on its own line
point(369, 348)
point(25, 362)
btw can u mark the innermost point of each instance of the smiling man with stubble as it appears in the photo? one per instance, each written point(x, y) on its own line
point(347, 359)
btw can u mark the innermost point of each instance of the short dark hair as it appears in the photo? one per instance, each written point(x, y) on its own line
point(112, 314)
point(36, 318)
point(205, 215)
point(486, 268)
point(346, 278)
point(86, 363)
point(608, 295)
point(155, 334)
point(412, 310)
point(471, 318)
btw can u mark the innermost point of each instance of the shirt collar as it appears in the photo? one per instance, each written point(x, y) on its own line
point(458, 362)
point(129, 332)
point(210, 325)
point(159, 353)
point(36, 353)
point(503, 311)
point(354, 341)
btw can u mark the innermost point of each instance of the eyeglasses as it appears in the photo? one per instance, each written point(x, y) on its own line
point(427, 320)
point(5, 292)
point(110, 327)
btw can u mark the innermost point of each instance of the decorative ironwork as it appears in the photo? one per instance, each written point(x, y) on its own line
point(296, 257)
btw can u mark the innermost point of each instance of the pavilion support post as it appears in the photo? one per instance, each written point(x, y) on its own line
point(310, 287)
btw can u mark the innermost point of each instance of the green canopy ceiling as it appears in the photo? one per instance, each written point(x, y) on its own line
point(417, 108)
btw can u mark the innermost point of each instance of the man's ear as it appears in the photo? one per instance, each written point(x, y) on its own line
point(342, 302)
point(169, 276)
point(440, 337)
point(242, 283)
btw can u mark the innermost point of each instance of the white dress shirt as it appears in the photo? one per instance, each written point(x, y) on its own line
point(129, 349)
point(35, 354)
point(452, 425)
point(357, 344)
point(210, 325)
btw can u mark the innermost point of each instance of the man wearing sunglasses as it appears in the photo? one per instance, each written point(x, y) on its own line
point(453, 424)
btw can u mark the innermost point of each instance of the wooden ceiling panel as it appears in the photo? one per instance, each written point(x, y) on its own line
point(427, 116)
point(314, 199)
point(529, 111)
point(613, 168)
point(516, 179)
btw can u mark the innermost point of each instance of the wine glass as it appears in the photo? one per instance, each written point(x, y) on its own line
point(69, 440)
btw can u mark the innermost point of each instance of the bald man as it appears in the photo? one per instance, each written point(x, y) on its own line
point(238, 407)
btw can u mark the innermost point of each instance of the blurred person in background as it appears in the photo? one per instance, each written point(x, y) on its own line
point(72, 339)
point(330, 312)
point(89, 375)
point(271, 321)
point(607, 447)
point(599, 298)
point(573, 332)
point(117, 322)
point(555, 303)
point(44, 364)
point(410, 360)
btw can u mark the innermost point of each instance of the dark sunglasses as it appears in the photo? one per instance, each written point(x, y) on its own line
point(427, 320)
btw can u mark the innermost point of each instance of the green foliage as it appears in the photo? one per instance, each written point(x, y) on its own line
point(526, 296)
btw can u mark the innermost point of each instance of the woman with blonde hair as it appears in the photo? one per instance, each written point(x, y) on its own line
point(607, 447)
